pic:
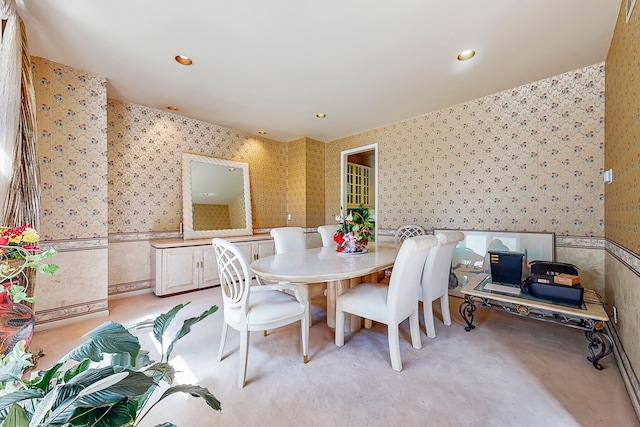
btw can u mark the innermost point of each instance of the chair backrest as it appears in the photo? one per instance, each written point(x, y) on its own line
point(435, 277)
point(404, 284)
point(408, 231)
point(327, 232)
point(288, 239)
point(235, 276)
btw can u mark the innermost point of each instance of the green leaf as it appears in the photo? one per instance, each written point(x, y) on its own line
point(18, 396)
point(161, 371)
point(107, 416)
point(79, 368)
point(48, 268)
point(111, 338)
point(166, 425)
point(162, 322)
point(186, 327)
point(196, 391)
point(17, 417)
point(43, 380)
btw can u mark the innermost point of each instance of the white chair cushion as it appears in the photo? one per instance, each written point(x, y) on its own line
point(375, 295)
point(267, 307)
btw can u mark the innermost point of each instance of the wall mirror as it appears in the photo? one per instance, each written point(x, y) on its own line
point(216, 201)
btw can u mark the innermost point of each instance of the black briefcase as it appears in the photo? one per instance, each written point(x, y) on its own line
point(541, 284)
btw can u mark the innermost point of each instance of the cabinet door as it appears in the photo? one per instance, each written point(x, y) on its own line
point(247, 249)
point(179, 270)
point(266, 248)
point(208, 268)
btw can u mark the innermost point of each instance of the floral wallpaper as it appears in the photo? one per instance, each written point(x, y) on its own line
point(145, 170)
point(211, 217)
point(622, 151)
point(305, 182)
point(71, 114)
point(528, 158)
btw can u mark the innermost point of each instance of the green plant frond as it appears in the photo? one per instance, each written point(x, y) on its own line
point(108, 338)
point(196, 391)
point(186, 327)
point(18, 396)
point(75, 370)
point(108, 416)
point(17, 417)
point(43, 380)
point(162, 322)
point(161, 371)
point(166, 425)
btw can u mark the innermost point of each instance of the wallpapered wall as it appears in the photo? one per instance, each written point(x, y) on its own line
point(72, 151)
point(211, 217)
point(622, 201)
point(528, 158)
point(145, 167)
point(623, 134)
point(305, 182)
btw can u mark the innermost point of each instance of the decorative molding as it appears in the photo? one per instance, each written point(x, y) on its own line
point(580, 242)
point(148, 235)
point(628, 258)
point(631, 381)
point(119, 289)
point(71, 311)
point(75, 244)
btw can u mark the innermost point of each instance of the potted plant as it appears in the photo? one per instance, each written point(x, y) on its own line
point(19, 253)
point(107, 381)
point(355, 231)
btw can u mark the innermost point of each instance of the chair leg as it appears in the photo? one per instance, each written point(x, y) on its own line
point(306, 295)
point(304, 322)
point(394, 347)
point(414, 327)
point(339, 326)
point(244, 349)
point(223, 339)
point(446, 313)
point(427, 310)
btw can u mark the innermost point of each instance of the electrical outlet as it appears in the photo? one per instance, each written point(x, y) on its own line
point(288, 217)
point(615, 314)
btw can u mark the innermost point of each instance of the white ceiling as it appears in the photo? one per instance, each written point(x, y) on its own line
point(272, 65)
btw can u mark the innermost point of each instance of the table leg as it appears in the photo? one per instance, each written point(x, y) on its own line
point(467, 308)
point(335, 288)
point(596, 342)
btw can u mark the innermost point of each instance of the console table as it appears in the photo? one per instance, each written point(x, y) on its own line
point(589, 318)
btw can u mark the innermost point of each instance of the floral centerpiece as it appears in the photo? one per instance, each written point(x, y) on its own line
point(19, 251)
point(355, 232)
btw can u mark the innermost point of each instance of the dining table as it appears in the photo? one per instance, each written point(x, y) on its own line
point(341, 271)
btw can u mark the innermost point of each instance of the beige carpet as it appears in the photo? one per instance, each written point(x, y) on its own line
point(509, 371)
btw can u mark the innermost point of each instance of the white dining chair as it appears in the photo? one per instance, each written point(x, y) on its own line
point(390, 304)
point(409, 230)
point(435, 279)
point(327, 232)
point(290, 239)
point(248, 307)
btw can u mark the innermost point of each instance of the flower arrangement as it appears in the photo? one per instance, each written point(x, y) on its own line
point(356, 229)
point(19, 251)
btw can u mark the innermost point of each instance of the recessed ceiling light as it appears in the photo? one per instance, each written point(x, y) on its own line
point(184, 60)
point(466, 54)
point(321, 115)
point(232, 169)
point(172, 108)
point(262, 132)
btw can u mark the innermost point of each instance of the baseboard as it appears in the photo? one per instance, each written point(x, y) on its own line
point(121, 290)
point(63, 322)
point(626, 370)
point(130, 293)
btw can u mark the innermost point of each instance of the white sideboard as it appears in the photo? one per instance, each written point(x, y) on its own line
point(185, 265)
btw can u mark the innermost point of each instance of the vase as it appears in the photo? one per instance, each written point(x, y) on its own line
point(356, 247)
point(16, 322)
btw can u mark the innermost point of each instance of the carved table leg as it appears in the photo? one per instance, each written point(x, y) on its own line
point(467, 308)
point(596, 342)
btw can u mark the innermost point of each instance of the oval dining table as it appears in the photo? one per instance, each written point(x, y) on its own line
point(340, 271)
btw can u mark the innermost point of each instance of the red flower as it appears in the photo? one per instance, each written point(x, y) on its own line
point(3, 241)
point(338, 238)
point(340, 249)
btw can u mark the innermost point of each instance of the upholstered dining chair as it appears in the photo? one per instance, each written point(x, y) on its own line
point(249, 308)
point(290, 239)
point(435, 279)
point(390, 304)
point(327, 232)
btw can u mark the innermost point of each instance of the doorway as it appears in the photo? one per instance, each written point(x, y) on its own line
point(359, 180)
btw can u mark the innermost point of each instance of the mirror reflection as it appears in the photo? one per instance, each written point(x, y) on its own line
point(216, 199)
